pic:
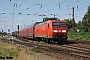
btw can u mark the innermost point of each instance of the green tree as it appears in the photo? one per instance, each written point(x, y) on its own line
point(86, 19)
point(46, 19)
point(79, 25)
point(68, 23)
point(3, 33)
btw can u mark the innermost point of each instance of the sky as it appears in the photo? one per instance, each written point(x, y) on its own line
point(27, 12)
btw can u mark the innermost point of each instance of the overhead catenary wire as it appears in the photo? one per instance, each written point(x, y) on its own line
point(27, 8)
point(53, 9)
point(63, 1)
point(59, 4)
point(42, 6)
point(56, 6)
point(21, 12)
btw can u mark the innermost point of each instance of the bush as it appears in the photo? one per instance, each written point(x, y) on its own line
point(79, 35)
point(41, 42)
point(36, 50)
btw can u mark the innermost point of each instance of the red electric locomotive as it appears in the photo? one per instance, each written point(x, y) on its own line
point(51, 31)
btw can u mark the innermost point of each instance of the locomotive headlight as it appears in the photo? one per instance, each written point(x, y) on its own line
point(64, 31)
point(55, 31)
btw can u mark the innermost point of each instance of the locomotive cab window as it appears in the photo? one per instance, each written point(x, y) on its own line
point(62, 24)
point(55, 24)
point(58, 24)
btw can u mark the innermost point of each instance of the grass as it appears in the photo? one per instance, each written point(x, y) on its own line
point(4, 40)
point(18, 48)
point(79, 35)
point(8, 52)
point(21, 53)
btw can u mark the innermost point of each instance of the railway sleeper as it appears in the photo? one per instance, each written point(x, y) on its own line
point(81, 51)
point(85, 56)
point(78, 48)
point(78, 51)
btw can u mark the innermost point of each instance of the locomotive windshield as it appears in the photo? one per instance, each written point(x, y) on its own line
point(58, 24)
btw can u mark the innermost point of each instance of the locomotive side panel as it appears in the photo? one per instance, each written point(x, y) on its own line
point(49, 29)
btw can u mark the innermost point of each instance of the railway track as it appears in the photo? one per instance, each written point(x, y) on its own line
point(71, 50)
point(81, 41)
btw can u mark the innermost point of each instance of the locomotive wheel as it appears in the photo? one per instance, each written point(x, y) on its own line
point(48, 41)
point(38, 39)
point(60, 42)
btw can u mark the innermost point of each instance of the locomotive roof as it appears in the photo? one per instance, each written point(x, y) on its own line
point(53, 18)
point(58, 20)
